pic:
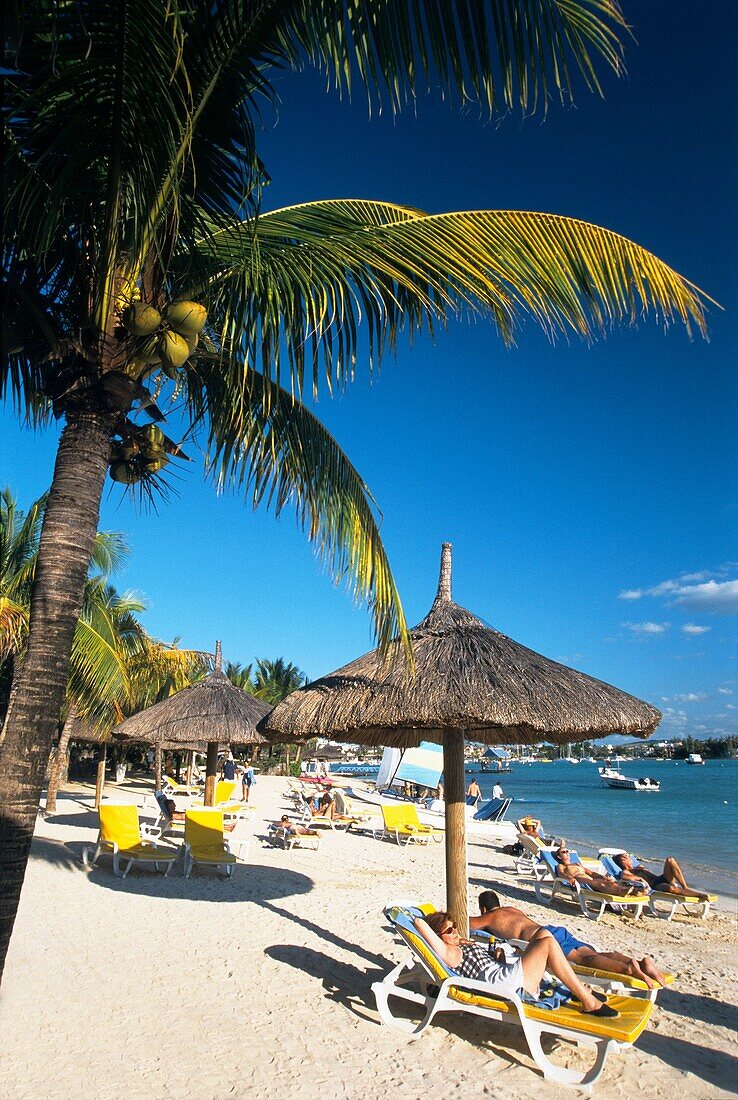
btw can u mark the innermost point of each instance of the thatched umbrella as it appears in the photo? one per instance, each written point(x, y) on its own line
point(469, 680)
point(213, 710)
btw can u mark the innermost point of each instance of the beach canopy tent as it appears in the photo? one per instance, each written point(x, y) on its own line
point(469, 681)
point(213, 711)
point(496, 754)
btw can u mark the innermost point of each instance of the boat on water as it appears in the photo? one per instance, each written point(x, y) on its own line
point(402, 770)
point(695, 758)
point(613, 777)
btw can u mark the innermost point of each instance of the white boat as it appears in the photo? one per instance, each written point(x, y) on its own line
point(614, 778)
point(695, 758)
point(432, 812)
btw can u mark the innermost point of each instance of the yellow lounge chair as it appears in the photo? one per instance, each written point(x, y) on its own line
point(425, 981)
point(205, 842)
point(592, 902)
point(120, 833)
point(402, 823)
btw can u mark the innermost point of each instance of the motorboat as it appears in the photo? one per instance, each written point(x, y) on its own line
point(695, 758)
point(612, 777)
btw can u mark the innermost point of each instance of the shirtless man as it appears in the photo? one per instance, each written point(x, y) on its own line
point(293, 827)
point(576, 872)
point(670, 881)
point(506, 922)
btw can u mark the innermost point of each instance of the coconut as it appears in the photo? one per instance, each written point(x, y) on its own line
point(174, 350)
point(192, 342)
point(149, 351)
point(186, 318)
point(141, 320)
point(152, 435)
point(122, 472)
point(155, 464)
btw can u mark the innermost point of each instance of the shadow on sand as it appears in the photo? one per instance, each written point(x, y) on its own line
point(713, 1066)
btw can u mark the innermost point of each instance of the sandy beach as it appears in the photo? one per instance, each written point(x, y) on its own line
point(260, 985)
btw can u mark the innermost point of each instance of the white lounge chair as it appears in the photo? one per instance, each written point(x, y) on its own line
point(425, 981)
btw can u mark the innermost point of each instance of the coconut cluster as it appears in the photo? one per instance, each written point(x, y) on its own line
point(166, 339)
point(139, 455)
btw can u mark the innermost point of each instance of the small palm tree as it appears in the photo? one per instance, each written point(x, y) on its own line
point(275, 680)
point(133, 180)
point(240, 675)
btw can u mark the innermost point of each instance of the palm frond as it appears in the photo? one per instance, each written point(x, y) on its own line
point(307, 276)
point(273, 448)
point(13, 627)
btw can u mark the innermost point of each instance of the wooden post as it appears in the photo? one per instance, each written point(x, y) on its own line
point(100, 779)
point(190, 768)
point(455, 797)
point(211, 768)
point(157, 767)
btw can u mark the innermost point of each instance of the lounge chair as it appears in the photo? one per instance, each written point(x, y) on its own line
point(402, 823)
point(546, 872)
point(533, 846)
point(316, 820)
point(171, 787)
point(426, 981)
point(693, 906)
point(205, 842)
point(122, 834)
point(494, 809)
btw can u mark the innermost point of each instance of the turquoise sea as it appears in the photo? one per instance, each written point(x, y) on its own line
point(693, 817)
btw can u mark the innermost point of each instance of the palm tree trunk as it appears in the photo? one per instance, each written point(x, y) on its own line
point(57, 765)
point(36, 701)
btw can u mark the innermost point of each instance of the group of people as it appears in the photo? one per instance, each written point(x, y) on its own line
point(549, 948)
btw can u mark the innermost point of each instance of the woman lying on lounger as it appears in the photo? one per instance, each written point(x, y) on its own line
point(575, 872)
point(292, 827)
point(670, 881)
point(489, 964)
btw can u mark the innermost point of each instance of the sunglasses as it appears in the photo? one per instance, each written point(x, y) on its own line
point(451, 928)
point(564, 851)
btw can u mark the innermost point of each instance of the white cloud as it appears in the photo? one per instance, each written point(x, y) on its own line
point(692, 628)
point(712, 591)
point(647, 628)
point(725, 691)
point(717, 598)
point(690, 697)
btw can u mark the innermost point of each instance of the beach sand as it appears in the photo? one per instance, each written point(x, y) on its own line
point(259, 985)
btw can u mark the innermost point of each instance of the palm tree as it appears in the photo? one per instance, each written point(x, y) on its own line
point(240, 675)
point(132, 179)
point(108, 638)
point(275, 680)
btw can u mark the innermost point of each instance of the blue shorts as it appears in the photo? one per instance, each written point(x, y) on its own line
point(564, 938)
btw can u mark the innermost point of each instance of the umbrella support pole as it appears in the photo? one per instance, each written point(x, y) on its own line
point(455, 797)
point(210, 769)
point(100, 777)
point(157, 767)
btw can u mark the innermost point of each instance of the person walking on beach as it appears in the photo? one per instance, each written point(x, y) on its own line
point(228, 771)
point(474, 792)
point(477, 961)
point(575, 872)
point(670, 881)
point(497, 791)
point(247, 782)
point(507, 922)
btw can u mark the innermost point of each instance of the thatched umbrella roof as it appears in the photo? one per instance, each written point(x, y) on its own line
point(213, 709)
point(469, 680)
point(468, 676)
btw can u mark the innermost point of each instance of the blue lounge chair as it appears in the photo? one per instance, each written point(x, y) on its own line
point(493, 810)
point(423, 979)
point(546, 874)
point(693, 906)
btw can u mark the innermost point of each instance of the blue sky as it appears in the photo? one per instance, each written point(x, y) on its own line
point(589, 492)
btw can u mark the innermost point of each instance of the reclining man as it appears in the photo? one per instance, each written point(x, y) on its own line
point(670, 881)
point(506, 922)
point(576, 872)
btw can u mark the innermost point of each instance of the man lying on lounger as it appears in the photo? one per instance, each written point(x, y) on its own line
point(576, 872)
point(670, 881)
point(293, 827)
point(506, 922)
